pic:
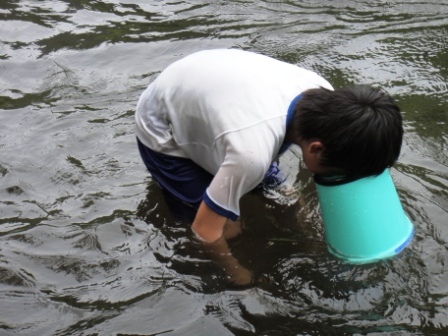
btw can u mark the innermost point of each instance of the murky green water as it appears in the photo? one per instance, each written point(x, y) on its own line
point(87, 245)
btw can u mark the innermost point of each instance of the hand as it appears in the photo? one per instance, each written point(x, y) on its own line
point(239, 277)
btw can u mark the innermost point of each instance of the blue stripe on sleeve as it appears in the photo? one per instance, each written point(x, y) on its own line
point(217, 208)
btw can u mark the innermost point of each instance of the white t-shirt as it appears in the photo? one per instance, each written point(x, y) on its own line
point(226, 110)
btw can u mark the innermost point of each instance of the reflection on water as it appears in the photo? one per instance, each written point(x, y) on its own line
point(89, 247)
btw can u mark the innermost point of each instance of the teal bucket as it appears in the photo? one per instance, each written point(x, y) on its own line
point(363, 219)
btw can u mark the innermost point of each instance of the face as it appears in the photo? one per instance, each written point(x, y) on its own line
point(312, 151)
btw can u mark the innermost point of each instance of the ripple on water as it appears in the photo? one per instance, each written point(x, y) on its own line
point(88, 246)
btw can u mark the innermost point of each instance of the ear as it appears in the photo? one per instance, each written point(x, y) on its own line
point(312, 151)
point(316, 148)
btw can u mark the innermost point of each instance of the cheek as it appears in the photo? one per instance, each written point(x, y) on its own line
point(309, 163)
point(312, 163)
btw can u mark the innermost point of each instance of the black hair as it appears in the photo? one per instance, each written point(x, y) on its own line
point(361, 128)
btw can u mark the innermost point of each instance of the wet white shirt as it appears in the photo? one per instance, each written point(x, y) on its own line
point(226, 110)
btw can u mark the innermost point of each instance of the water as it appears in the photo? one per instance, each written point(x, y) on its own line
point(88, 247)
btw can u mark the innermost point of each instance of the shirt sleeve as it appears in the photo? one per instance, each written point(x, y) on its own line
point(247, 158)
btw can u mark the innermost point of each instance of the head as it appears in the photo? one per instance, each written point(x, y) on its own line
point(353, 131)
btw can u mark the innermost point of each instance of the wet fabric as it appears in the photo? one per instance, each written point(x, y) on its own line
point(225, 110)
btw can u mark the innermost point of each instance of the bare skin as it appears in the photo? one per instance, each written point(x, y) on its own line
point(214, 230)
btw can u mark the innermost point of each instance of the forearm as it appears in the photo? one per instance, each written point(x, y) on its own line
point(208, 227)
point(221, 253)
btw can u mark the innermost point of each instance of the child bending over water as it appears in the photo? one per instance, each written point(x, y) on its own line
point(211, 125)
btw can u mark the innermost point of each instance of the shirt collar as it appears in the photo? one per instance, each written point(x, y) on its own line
point(289, 117)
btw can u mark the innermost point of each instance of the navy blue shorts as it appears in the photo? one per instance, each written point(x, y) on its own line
point(180, 177)
point(187, 182)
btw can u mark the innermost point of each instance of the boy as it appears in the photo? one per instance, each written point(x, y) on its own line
point(211, 124)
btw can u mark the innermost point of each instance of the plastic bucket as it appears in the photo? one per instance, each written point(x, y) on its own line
point(363, 219)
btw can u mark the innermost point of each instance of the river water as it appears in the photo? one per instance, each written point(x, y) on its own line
point(87, 244)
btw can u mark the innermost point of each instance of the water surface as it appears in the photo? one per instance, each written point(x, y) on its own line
point(88, 246)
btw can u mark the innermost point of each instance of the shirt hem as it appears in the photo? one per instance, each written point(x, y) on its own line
point(217, 208)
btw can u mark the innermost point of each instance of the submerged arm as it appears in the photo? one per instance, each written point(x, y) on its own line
point(209, 228)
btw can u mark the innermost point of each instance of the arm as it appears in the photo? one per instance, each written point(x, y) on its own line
point(243, 168)
point(209, 227)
